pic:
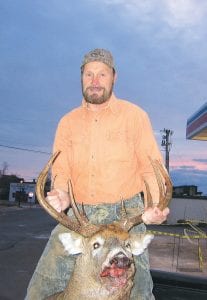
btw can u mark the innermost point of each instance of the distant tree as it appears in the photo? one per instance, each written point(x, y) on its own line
point(5, 181)
point(5, 167)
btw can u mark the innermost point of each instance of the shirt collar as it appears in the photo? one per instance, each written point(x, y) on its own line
point(112, 104)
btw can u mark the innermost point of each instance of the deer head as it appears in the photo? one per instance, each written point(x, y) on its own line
point(107, 251)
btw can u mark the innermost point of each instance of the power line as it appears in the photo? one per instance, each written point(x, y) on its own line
point(24, 149)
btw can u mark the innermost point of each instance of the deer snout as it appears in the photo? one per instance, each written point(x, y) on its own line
point(121, 261)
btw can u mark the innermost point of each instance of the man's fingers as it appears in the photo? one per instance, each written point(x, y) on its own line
point(58, 208)
point(155, 215)
point(166, 211)
point(51, 198)
point(58, 199)
point(55, 202)
point(163, 212)
point(52, 193)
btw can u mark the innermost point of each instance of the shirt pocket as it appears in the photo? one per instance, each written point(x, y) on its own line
point(119, 146)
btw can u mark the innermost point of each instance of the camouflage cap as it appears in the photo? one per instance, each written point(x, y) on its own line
point(101, 55)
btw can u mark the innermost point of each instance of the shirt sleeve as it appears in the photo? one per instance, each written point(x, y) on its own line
point(146, 146)
point(61, 173)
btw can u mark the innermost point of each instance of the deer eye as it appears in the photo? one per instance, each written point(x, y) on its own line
point(96, 245)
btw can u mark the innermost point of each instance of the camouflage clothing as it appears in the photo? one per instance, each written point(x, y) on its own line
point(55, 267)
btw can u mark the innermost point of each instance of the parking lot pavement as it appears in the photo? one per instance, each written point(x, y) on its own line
point(170, 252)
point(24, 233)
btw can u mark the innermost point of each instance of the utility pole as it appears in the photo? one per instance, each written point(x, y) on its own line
point(166, 143)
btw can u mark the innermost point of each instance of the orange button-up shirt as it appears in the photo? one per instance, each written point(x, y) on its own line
point(105, 153)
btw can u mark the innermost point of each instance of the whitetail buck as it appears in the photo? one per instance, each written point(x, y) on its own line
point(105, 268)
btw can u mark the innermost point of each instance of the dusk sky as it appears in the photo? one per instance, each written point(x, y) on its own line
point(160, 51)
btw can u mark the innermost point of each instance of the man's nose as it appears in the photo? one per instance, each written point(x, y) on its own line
point(95, 80)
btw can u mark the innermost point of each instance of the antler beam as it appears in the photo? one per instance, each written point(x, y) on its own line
point(81, 224)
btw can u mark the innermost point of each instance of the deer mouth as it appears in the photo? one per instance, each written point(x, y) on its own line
point(117, 269)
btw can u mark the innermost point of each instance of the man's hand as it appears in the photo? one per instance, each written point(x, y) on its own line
point(153, 215)
point(58, 199)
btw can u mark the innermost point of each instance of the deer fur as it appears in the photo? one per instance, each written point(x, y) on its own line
point(95, 255)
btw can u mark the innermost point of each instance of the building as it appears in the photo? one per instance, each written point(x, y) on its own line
point(187, 203)
point(22, 192)
point(186, 190)
point(197, 125)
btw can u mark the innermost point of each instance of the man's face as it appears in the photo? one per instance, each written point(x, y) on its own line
point(97, 82)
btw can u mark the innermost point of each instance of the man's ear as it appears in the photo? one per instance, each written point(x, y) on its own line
point(115, 77)
point(72, 242)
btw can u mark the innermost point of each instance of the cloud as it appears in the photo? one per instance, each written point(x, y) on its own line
point(184, 13)
point(185, 168)
point(177, 13)
point(180, 17)
point(200, 160)
point(189, 176)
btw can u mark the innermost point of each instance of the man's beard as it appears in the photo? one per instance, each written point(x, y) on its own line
point(94, 98)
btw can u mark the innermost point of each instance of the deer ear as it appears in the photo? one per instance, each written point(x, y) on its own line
point(139, 242)
point(72, 242)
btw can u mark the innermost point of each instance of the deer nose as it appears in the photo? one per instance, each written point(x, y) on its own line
point(121, 260)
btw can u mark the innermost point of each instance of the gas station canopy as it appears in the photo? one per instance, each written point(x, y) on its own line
point(197, 125)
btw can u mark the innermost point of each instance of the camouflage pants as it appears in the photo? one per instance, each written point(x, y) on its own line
point(55, 267)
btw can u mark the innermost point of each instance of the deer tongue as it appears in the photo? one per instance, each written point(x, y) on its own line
point(113, 271)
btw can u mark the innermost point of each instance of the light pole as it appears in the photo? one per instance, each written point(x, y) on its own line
point(167, 144)
point(21, 190)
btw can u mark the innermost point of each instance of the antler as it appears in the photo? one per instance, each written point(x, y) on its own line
point(165, 190)
point(81, 225)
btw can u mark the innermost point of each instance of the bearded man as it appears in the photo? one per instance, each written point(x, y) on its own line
point(104, 147)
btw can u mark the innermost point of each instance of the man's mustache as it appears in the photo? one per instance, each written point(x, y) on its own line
point(94, 88)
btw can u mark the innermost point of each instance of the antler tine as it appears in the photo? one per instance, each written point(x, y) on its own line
point(156, 167)
point(148, 200)
point(82, 219)
point(164, 183)
point(86, 228)
point(128, 222)
point(165, 194)
point(81, 228)
point(83, 212)
point(60, 217)
point(123, 212)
